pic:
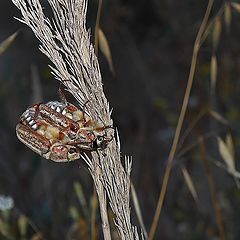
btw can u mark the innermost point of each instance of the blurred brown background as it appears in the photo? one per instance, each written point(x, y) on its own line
point(151, 44)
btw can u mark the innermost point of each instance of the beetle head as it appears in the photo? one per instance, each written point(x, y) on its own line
point(101, 141)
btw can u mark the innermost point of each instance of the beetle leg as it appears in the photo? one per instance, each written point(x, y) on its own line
point(37, 110)
point(104, 128)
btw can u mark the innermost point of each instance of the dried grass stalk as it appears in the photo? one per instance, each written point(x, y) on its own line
point(66, 42)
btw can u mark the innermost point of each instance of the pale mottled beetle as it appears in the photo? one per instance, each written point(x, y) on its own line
point(59, 131)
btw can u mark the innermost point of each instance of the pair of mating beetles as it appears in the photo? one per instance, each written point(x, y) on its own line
point(59, 131)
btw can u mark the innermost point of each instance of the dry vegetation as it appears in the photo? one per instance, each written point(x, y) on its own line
point(200, 141)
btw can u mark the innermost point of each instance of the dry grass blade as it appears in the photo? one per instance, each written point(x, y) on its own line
point(212, 190)
point(217, 28)
point(213, 73)
point(80, 194)
point(4, 230)
point(29, 221)
point(138, 210)
point(22, 226)
point(81, 198)
point(194, 144)
point(190, 185)
point(209, 28)
point(7, 42)
point(235, 174)
point(66, 41)
point(236, 6)
point(226, 155)
point(96, 31)
point(227, 16)
point(73, 213)
point(191, 126)
point(230, 145)
point(172, 153)
point(218, 117)
point(105, 49)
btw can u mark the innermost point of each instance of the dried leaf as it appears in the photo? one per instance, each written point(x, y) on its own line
point(227, 15)
point(190, 185)
point(105, 49)
point(226, 154)
point(236, 6)
point(218, 117)
point(213, 72)
point(7, 42)
point(230, 145)
point(217, 28)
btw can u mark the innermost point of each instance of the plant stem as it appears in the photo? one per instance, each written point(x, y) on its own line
point(212, 189)
point(180, 121)
point(97, 175)
point(103, 212)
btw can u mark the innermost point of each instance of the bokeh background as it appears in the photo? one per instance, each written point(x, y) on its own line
point(151, 44)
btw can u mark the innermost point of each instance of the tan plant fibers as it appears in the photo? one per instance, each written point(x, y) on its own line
point(66, 42)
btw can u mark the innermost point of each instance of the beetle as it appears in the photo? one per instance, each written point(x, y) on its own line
point(59, 131)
